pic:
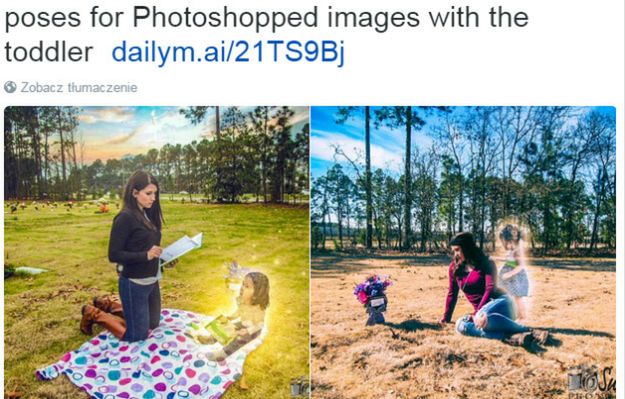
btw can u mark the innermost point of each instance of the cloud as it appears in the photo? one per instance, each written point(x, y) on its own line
point(301, 115)
point(123, 138)
point(154, 129)
point(171, 119)
point(87, 118)
point(106, 114)
point(170, 126)
point(149, 128)
point(323, 144)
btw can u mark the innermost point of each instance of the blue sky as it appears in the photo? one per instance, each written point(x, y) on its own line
point(112, 132)
point(387, 145)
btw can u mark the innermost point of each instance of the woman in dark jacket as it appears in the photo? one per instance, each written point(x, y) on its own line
point(135, 246)
point(494, 313)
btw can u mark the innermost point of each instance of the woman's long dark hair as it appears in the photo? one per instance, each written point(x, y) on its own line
point(261, 289)
point(472, 253)
point(138, 181)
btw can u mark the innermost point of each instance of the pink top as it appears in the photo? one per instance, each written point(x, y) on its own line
point(478, 286)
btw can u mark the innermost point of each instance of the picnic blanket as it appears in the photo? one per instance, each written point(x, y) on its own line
point(167, 365)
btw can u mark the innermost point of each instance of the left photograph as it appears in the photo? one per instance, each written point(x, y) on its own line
point(156, 252)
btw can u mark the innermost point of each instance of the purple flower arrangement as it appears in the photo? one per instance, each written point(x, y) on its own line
point(373, 286)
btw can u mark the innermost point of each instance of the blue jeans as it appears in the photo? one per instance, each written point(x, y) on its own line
point(142, 308)
point(500, 314)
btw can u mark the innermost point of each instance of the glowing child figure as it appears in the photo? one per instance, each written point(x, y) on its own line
point(513, 274)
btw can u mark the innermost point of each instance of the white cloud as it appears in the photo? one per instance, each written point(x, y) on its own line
point(165, 127)
point(170, 120)
point(106, 114)
point(301, 115)
point(121, 138)
point(323, 144)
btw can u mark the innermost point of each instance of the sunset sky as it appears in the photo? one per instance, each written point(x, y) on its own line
point(112, 132)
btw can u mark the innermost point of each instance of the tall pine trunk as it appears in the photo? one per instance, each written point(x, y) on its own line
point(407, 180)
point(368, 179)
point(63, 168)
point(595, 222)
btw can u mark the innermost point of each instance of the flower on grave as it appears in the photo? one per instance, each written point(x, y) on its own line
point(373, 286)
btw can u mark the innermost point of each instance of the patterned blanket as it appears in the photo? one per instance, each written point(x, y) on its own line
point(167, 365)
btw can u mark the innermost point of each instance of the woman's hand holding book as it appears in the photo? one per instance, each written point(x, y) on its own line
point(154, 252)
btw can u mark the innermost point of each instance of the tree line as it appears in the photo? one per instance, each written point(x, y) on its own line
point(552, 169)
point(254, 153)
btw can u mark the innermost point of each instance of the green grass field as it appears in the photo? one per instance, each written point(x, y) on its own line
point(42, 313)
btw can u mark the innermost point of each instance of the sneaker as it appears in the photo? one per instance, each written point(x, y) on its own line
point(526, 340)
point(519, 339)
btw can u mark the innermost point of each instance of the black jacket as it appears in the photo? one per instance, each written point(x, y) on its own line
point(130, 240)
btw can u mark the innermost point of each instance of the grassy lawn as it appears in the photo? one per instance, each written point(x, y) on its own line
point(411, 356)
point(42, 313)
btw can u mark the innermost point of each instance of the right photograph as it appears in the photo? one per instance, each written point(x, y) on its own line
point(463, 252)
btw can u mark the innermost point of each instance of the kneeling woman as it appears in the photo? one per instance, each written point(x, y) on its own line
point(135, 246)
point(494, 313)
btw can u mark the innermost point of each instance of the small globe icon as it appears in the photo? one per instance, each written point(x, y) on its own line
point(10, 86)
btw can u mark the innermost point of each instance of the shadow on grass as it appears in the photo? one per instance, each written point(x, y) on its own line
point(413, 325)
point(555, 342)
point(329, 262)
point(538, 349)
point(414, 259)
point(575, 264)
point(577, 331)
point(331, 265)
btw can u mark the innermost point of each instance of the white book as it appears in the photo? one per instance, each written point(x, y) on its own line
point(179, 248)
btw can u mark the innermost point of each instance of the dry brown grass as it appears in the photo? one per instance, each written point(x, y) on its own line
point(411, 357)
